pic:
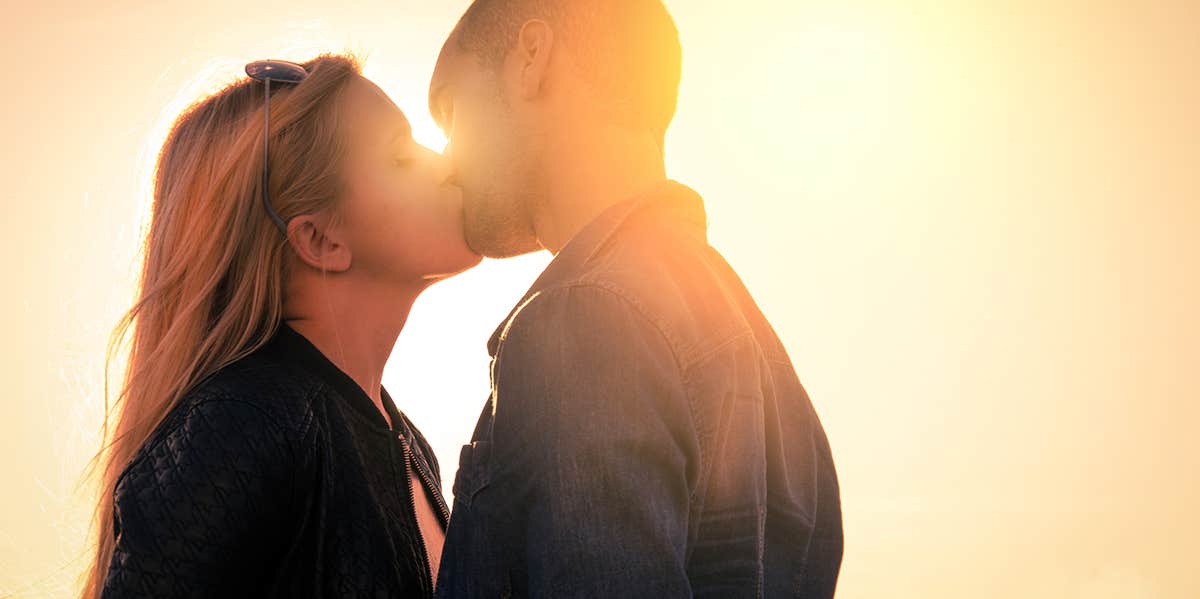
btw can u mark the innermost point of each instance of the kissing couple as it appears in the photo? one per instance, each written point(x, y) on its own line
point(646, 434)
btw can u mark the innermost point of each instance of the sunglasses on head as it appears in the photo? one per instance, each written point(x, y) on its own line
point(279, 71)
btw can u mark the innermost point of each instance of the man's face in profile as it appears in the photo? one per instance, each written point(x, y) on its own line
point(490, 150)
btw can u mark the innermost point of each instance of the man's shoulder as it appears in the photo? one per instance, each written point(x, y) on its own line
point(678, 278)
point(673, 280)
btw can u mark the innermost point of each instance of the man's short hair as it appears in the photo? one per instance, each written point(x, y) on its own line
point(628, 50)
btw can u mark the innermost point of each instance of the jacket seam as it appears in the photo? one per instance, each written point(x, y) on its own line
point(672, 346)
point(717, 347)
point(633, 303)
point(309, 420)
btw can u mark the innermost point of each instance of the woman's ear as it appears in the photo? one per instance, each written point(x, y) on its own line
point(318, 243)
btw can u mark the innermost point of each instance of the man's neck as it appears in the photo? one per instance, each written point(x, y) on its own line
point(590, 173)
point(356, 329)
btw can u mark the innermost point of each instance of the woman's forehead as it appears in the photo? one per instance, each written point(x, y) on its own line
point(374, 117)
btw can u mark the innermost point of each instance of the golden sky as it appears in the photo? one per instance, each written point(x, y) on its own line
point(974, 224)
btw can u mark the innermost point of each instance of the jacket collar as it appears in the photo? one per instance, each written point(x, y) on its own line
point(667, 203)
point(295, 348)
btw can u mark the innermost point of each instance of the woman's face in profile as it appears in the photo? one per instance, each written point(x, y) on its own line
point(399, 212)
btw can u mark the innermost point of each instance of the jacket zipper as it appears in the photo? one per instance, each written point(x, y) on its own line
point(412, 504)
point(436, 493)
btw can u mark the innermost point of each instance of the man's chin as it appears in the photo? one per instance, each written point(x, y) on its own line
point(458, 268)
point(500, 247)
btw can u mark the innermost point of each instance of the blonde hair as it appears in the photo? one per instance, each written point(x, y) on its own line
point(212, 280)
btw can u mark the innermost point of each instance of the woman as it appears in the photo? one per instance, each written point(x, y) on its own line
point(252, 451)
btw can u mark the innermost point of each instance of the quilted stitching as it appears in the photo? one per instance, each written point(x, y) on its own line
point(263, 482)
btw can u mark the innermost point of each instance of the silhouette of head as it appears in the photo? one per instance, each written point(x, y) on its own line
point(516, 75)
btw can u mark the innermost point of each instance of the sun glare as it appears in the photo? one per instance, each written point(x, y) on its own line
point(955, 215)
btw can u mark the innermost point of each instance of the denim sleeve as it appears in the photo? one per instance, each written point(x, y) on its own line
point(592, 444)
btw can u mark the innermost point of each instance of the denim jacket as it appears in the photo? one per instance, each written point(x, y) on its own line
point(646, 434)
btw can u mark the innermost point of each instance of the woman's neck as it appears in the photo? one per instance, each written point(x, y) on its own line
point(356, 329)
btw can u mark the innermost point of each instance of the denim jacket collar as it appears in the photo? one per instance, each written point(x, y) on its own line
point(667, 201)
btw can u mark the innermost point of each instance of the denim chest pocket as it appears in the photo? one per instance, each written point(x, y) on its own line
point(472, 476)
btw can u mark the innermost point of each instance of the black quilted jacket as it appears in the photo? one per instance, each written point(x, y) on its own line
point(275, 477)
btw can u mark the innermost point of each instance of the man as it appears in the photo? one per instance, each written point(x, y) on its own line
point(646, 435)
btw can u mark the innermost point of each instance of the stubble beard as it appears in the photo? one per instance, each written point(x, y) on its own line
point(497, 227)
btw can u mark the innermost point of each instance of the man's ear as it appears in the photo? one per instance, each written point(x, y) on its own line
point(534, 44)
point(318, 244)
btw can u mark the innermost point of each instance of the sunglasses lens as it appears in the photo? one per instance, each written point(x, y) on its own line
point(276, 70)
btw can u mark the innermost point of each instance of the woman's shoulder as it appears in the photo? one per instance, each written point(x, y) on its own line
point(260, 382)
point(249, 415)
